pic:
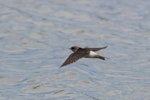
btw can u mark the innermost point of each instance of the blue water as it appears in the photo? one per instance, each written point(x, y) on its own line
point(35, 37)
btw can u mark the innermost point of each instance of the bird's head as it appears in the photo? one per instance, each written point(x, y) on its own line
point(74, 48)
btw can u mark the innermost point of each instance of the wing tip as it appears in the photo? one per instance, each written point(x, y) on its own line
point(62, 66)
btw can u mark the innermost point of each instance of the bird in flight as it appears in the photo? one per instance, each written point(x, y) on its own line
point(79, 52)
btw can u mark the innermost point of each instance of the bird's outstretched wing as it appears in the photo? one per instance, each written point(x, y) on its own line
point(96, 49)
point(72, 58)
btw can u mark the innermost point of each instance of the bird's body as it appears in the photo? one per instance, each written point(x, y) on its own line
point(79, 52)
point(92, 54)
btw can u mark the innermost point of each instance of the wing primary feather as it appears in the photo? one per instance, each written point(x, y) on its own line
point(96, 49)
point(72, 58)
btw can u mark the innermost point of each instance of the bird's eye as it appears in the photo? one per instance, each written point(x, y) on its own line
point(72, 48)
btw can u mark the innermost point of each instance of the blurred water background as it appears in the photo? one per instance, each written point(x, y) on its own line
point(35, 37)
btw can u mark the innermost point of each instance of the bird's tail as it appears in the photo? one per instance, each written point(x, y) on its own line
point(100, 57)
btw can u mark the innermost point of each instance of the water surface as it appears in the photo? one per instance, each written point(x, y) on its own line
point(35, 37)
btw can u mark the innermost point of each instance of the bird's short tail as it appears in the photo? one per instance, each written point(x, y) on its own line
point(100, 57)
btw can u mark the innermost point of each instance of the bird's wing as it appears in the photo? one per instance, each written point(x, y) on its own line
point(96, 49)
point(73, 57)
